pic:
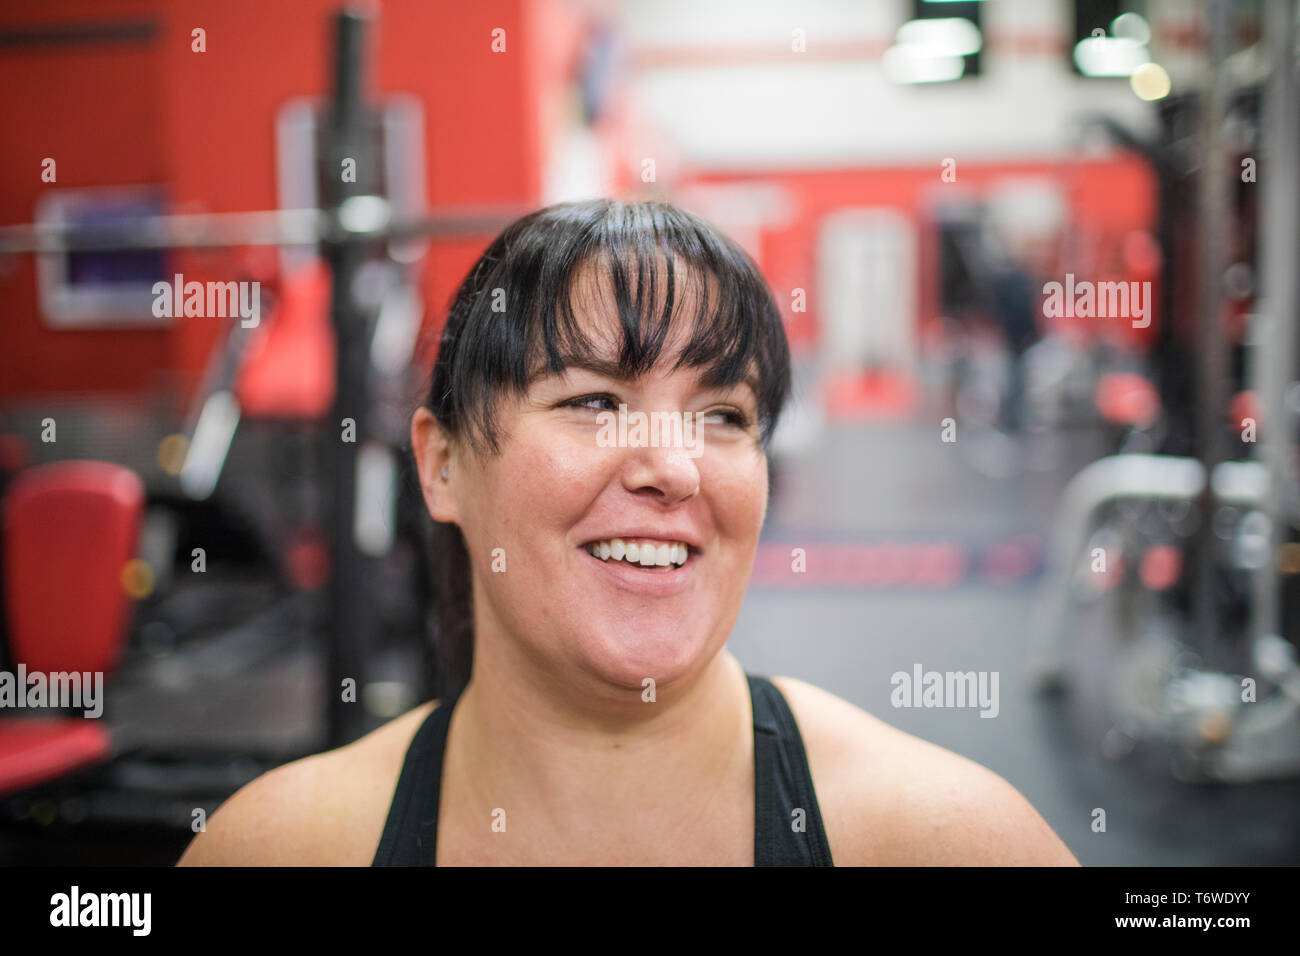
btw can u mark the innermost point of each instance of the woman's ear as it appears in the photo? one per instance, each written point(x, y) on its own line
point(433, 459)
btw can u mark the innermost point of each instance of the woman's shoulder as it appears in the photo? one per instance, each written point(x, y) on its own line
point(281, 818)
point(890, 798)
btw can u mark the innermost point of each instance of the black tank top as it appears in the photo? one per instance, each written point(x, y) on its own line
point(782, 786)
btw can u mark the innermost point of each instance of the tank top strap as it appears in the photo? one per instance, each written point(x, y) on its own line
point(788, 827)
point(411, 831)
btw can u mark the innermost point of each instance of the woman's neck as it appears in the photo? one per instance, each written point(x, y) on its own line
point(579, 758)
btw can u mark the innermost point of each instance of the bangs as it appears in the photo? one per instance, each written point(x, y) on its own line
point(604, 281)
point(639, 297)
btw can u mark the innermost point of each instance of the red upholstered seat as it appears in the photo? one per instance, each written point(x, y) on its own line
point(36, 750)
point(69, 529)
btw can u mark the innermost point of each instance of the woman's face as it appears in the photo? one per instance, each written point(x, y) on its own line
point(566, 482)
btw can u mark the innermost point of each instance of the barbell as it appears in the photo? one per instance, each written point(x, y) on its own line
point(358, 219)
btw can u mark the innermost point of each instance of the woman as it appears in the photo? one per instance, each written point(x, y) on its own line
point(591, 575)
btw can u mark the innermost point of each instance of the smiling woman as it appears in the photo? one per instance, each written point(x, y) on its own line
point(589, 711)
point(606, 305)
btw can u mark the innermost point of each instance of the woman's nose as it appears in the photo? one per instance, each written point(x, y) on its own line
point(667, 473)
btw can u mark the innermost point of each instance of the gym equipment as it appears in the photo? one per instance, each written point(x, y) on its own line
point(69, 528)
point(350, 223)
point(1188, 682)
point(356, 228)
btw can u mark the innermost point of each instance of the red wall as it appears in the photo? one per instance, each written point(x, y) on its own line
point(1107, 197)
point(203, 124)
point(97, 110)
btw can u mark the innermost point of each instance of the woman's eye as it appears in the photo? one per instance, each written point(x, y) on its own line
point(602, 401)
point(610, 403)
point(728, 416)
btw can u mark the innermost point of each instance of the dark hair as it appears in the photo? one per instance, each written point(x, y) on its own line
point(513, 318)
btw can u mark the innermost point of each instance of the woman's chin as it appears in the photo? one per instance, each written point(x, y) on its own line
point(663, 656)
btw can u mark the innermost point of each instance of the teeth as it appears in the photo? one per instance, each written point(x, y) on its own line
point(646, 554)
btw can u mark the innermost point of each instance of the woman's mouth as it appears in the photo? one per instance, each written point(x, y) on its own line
point(646, 554)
